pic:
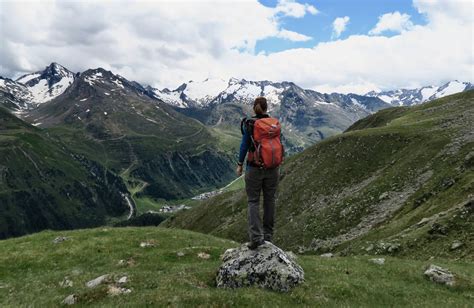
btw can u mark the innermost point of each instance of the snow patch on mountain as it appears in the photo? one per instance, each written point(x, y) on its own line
point(42, 91)
point(28, 77)
point(451, 88)
point(204, 91)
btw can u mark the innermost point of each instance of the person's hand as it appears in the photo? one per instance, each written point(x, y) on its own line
point(239, 170)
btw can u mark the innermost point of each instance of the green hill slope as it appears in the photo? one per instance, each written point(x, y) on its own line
point(44, 185)
point(400, 181)
point(32, 268)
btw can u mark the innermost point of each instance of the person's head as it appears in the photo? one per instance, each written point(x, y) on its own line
point(260, 105)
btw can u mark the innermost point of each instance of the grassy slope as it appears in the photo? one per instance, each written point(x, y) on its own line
point(43, 186)
point(421, 158)
point(32, 267)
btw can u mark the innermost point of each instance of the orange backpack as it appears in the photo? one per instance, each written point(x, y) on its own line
point(266, 150)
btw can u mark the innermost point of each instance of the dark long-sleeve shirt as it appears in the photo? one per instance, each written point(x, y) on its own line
point(244, 145)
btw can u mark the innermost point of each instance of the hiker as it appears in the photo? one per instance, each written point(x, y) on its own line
point(261, 138)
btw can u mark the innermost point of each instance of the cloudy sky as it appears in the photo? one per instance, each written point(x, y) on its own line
point(327, 45)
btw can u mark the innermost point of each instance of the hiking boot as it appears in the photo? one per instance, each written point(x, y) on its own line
point(254, 245)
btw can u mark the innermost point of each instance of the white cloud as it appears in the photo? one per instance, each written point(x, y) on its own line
point(293, 36)
point(395, 22)
point(149, 42)
point(294, 9)
point(339, 25)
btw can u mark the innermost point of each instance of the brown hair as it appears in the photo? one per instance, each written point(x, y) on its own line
point(260, 105)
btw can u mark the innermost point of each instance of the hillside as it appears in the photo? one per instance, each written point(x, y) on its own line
point(32, 269)
point(44, 185)
point(398, 182)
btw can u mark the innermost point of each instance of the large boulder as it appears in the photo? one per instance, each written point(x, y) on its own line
point(268, 266)
point(440, 275)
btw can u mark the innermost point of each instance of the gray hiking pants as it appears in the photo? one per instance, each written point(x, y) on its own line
point(257, 180)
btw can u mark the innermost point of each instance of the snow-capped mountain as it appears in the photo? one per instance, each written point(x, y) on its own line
point(16, 94)
point(216, 91)
point(191, 94)
point(408, 97)
point(47, 84)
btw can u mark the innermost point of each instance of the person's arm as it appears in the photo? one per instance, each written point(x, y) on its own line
point(244, 147)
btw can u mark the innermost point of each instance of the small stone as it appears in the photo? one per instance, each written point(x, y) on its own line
point(180, 254)
point(379, 261)
point(422, 222)
point(66, 283)
point(147, 244)
point(440, 275)
point(393, 248)
point(327, 255)
point(456, 245)
point(128, 262)
point(70, 300)
point(370, 248)
point(204, 255)
point(114, 291)
point(383, 196)
point(60, 239)
point(97, 281)
point(123, 280)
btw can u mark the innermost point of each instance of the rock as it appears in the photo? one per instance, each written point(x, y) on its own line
point(147, 244)
point(327, 255)
point(70, 300)
point(439, 275)
point(99, 280)
point(129, 262)
point(123, 280)
point(456, 245)
point(423, 222)
point(370, 248)
point(60, 239)
point(393, 247)
point(114, 291)
point(180, 254)
point(66, 283)
point(379, 261)
point(204, 255)
point(383, 196)
point(437, 228)
point(268, 267)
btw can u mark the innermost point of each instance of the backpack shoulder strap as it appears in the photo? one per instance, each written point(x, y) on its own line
point(247, 123)
point(242, 123)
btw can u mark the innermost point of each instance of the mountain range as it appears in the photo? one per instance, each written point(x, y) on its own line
point(158, 144)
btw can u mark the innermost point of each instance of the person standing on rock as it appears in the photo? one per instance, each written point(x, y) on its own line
point(261, 139)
